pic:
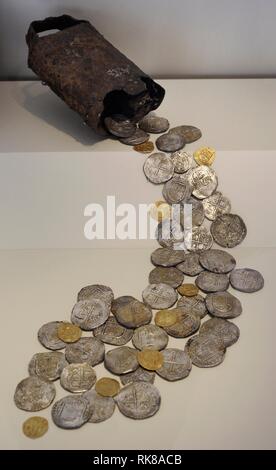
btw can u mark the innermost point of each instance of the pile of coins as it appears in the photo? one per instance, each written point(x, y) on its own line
point(179, 306)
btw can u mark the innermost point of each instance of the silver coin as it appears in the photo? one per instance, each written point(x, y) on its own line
point(193, 305)
point(158, 168)
point(139, 137)
point(96, 291)
point(77, 378)
point(120, 126)
point(170, 142)
point(138, 400)
point(217, 261)
point(186, 324)
point(205, 350)
point(223, 305)
point(182, 161)
point(228, 230)
point(121, 302)
point(34, 394)
point(224, 329)
point(159, 296)
point(111, 332)
point(203, 181)
point(216, 205)
point(47, 365)
point(139, 375)
point(197, 212)
point(134, 314)
point(246, 280)
point(190, 264)
point(47, 336)
point(171, 276)
point(89, 314)
point(201, 239)
point(177, 189)
point(167, 257)
point(71, 412)
point(150, 337)
point(90, 350)
point(177, 365)
point(102, 407)
point(121, 360)
point(154, 124)
point(170, 234)
point(212, 282)
point(189, 133)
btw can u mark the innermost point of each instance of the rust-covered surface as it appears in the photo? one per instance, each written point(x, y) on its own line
point(88, 73)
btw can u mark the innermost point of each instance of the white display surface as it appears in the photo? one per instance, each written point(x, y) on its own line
point(46, 179)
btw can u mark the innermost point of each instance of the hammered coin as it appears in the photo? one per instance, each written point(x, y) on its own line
point(217, 261)
point(90, 350)
point(71, 412)
point(201, 239)
point(165, 318)
point(35, 427)
point(34, 394)
point(177, 189)
point(96, 291)
point(228, 230)
point(203, 181)
point(182, 161)
point(205, 156)
point(150, 359)
point(47, 336)
point(177, 365)
point(139, 375)
point(158, 168)
point(154, 124)
point(170, 142)
point(107, 387)
point(171, 276)
point(134, 314)
point(246, 280)
point(205, 350)
point(189, 290)
point(212, 282)
point(186, 324)
point(139, 137)
point(102, 407)
point(138, 400)
point(223, 305)
point(48, 365)
point(224, 329)
point(170, 234)
point(197, 212)
point(121, 302)
point(189, 133)
point(190, 264)
point(89, 314)
point(111, 332)
point(119, 125)
point(160, 210)
point(167, 257)
point(68, 332)
point(159, 296)
point(150, 337)
point(216, 205)
point(193, 305)
point(121, 360)
point(146, 147)
point(77, 378)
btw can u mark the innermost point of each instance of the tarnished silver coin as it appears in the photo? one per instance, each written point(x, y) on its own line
point(102, 407)
point(186, 324)
point(96, 291)
point(158, 168)
point(228, 230)
point(150, 337)
point(193, 305)
point(154, 124)
point(182, 161)
point(159, 296)
point(170, 142)
point(177, 365)
point(205, 350)
point(197, 212)
point(90, 350)
point(167, 257)
point(223, 305)
point(246, 280)
point(34, 394)
point(134, 314)
point(121, 302)
point(217, 261)
point(203, 181)
point(120, 126)
point(177, 189)
point(189, 133)
point(111, 332)
point(138, 400)
point(47, 365)
point(121, 360)
point(216, 205)
point(139, 137)
point(77, 378)
point(71, 412)
point(89, 314)
point(170, 234)
point(201, 239)
point(139, 375)
point(190, 264)
point(47, 336)
point(212, 282)
point(224, 329)
point(171, 276)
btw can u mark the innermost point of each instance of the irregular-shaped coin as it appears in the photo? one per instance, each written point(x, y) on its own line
point(89, 314)
point(171, 276)
point(228, 230)
point(68, 332)
point(189, 290)
point(90, 350)
point(107, 387)
point(145, 147)
point(246, 280)
point(201, 239)
point(203, 181)
point(134, 314)
point(34, 394)
point(138, 400)
point(111, 332)
point(193, 305)
point(189, 133)
point(154, 124)
point(150, 337)
point(190, 264)
point(177, 365)
point(78, 378)
point(205, 156)
point(158, 168)
point(120, 126)
point(170, 234)
point(121, 360)
point(182, 161)
point(197, 212)
point(167, 257)
point(165, 318)
point(217, 261)
point(48, 337)
point(212, 282)
point(139, 137)
point(223, 305)
point(186, 324)
point(216, 205)
point(96, 291)
point(48, 365)
point(170, 142)
point(224, 329)
point(35, 427)
point(102, 407)
point(121, 302)
point(71, 412)
point(159, 296)
point(177, 189)
point(139, 375)
point(205, 350)
point(150, 359)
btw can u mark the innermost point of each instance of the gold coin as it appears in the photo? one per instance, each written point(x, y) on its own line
point(205, 156)
point(165, 318)
point(68, 332)
point(145, 147)
point(160, 210)
point(34, 427)
point(150, 359)
point(189, 290)
point(107, 387)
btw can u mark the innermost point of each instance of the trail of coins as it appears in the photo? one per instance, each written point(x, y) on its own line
point(189, 283)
